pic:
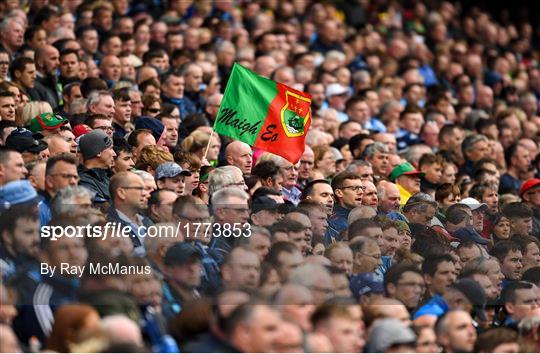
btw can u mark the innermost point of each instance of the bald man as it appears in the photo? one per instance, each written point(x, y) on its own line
point(239, 154)
point(57, 145)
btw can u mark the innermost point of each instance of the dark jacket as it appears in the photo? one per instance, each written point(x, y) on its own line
point(208, 343)
point(112, 216)
point(48, 86)
point(184, 106)
point(96, 180)
point(38, 298)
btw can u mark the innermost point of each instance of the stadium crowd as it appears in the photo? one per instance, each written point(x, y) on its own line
point(410, 223)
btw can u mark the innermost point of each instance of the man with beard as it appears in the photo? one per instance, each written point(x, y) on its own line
point(129, 200)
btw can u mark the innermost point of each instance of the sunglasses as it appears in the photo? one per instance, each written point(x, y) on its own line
point(153, 110)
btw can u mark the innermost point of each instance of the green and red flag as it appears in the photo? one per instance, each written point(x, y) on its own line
point(264, 114)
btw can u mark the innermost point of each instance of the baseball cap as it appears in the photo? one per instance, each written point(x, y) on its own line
point(21, 139)
point(469, 234)
point(336, 90)
point(528, 184)
point(366, 283)
point(180, 253)
point(474, 204)
point(94, 142)
point(170, 170)
point(46, 121)
point(387, 332)
point(17, 192)
point(474, 293)
point(404, 169)
point(152, 124)
point(81, 129)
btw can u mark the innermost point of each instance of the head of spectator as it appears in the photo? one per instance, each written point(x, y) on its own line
point(124, 157)
point(455, 332)
point(420, 208)
point(405, 283)
point(69, 64)
point(439, 273)
point(19, 234)
point(520, 216)
point(128, 194)
point(160, 205)
point(12, 166)
point(377, 155)
point(407, 178)
point(172, 85)
point(520, 299)
point(101, 102)
point(230, 205)
point(348, 189)
point(23, 72)
point(366, 255)
point(240, 269)
point(96, 148)
point(30, 149)
point(510, 257)
point(239, 154)
point(170, 176)
point(320, 191)
point(529, 246)
point(497, 340)
point(60, 172)
point(183, 267)
point(388, 197)
point(122, 107)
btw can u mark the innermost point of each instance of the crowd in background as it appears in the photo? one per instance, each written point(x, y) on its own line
point(410, 223)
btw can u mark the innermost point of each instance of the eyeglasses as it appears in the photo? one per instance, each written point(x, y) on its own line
point(354, 188)
point(153, 110)
point(111, 129)
point(66, 176)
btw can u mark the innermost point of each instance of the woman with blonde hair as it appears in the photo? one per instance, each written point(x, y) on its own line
point(196, 143)
point(151, 157)
point(32, 109)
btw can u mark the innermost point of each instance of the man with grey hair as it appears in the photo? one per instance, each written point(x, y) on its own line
point(316, 278)
point(12, 35)
point(212, 106)
point(225, 176)
point(474, 148)
point(231, 214)
point(72, 200)
point(415, 152)
point(420, 209)
point(101, 102)
point(377, 155)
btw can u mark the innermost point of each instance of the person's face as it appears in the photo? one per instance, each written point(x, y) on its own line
point(187, 275)
point(51, 60)
point(260, 244)
point(379, 163)
point(194, 79)
point(370, 197)
point(512, 265)
point(427, 341)
point(502, 229)
point(495, 274)
point(450, 200)
point(449, 174)
point(14, 34)
point(461, 334)
point(299, 239)
point(443, 277)
point(521, 226)
point(69, 66)
point(491, 198)
point(124, 162)
point(467, 254)
point(412, 122)
point(391, 200)
point(369, 259)
point(174, 87)
point(480, 150)
point(105, 125)
point(122, 112)
point(345, 335)
point(433, 173)
point(111, 68)
point(176, 184)
point(327, 165)
point(24, 240)
point(136, 103)
point(323, 193)
point(390, 242)
point(13, 169)
point(526, 301)
point(244, 270)
point(351, 194)
point(67, 250)
point(423, 215)
point(107, 157)
point(487, 285)
point(342, 258)
point(236, 211)
point(287, 263)
point(263, 331)
point(63, 174)
point(89, 41)
point(289, 173)
point(4, 65)
point(39, 39)
point(531, 257)
point(319, 222)
point(478, 220)
point(105, 106)
point(359, 112)
point(28, 76)
point(409, 289)
point(410, 182)
point(532, 197)
point(135, 193)
point(163, 211)
point(7, 108)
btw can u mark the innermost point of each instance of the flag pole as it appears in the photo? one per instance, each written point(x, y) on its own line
point(208, 145)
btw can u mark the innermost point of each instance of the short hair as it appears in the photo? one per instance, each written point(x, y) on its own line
point(444, 190)
point(266, 169)
point(121, 145)
point(64, 200)
point(92, 84)
point(327, 311)
point(517, 210)
point(220, 177)
point(370, 149)
point(185, 201)
point(68, 51)
point(430, 159)
point(308, 206)
point(523, 241)
point(354, 100)
point(133, 138)
point(508, 294)
point(477, 191)
point(532, 275)
point(395, 272)
point(220, 197)
point(121, 95)
point(19, 64)
point(470, 141)
point(410, 109)
point(357, 228)
point(308, 189)
point(487, 341)
point(501, 249)
point(339, 180)
point(95, 96)
point(187, 158)
point(64, 157)
point(277, 249)
point(431, 263)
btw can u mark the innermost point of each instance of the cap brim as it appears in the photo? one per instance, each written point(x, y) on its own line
point(414, 173)
point(39, 148)
point(537, 183)
point(480, 313)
